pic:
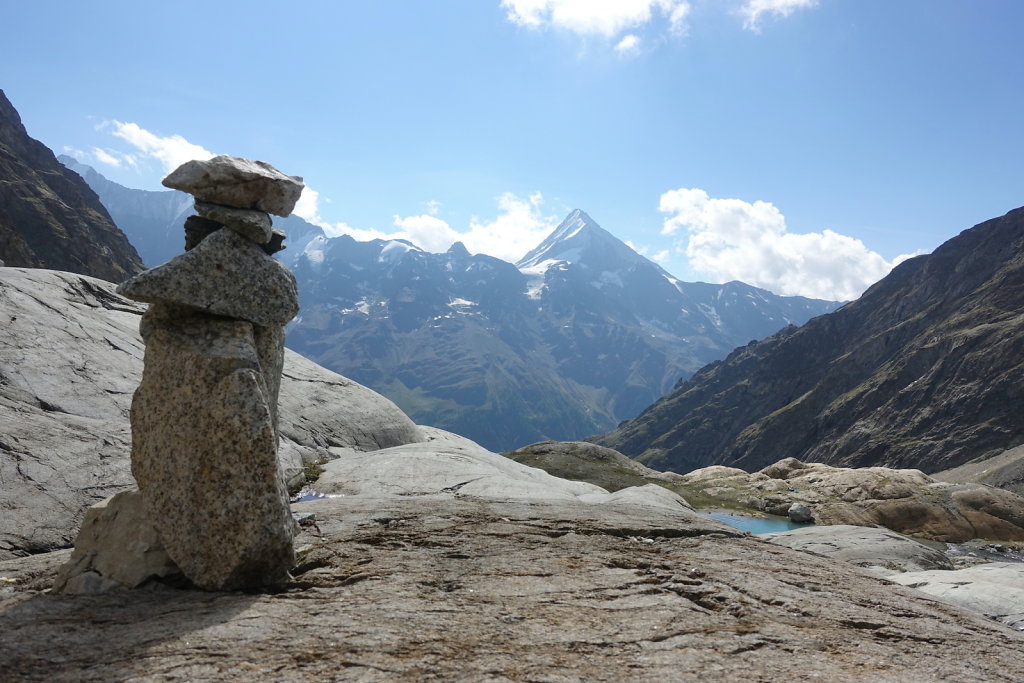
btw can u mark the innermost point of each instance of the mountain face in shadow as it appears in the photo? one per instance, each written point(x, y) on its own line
point(49, 216)
point(925, 370)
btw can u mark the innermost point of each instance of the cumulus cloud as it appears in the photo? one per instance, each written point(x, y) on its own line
point(427, 232)
point(611, 18)
point(520, 225)
point(171, 151)
point(308, 206)
point(105, 157)
point(607, 18)
point(628, 46)
point(753, 11)
point(730, 239)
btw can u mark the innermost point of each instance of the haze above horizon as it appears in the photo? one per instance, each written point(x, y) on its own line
point(803, 146)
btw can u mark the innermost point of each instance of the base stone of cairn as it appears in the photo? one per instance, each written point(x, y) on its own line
point(204, 418)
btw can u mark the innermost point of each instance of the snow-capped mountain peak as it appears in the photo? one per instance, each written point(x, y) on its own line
point(580, 241)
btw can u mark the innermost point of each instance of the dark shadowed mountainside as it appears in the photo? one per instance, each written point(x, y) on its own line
point(49, 216)
point(925, 370)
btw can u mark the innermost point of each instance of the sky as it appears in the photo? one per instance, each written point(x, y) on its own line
point(803, 146)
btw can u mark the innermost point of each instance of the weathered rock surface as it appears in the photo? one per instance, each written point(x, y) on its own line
point(863, 546)
point(236, 182)
point(117, 546)
point(49, 217)
point(448, 465)
point(204, 447)
point(800, 513)
point(583, 461)
point(456, 588)
point(925, 371)
point(995, 589)
point(320, 409)
point(906, 501)
point(225, 274)
point(1005, 471)
point(70, 358)
point(253, 225)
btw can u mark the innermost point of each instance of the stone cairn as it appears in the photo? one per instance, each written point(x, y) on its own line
point(211, 506)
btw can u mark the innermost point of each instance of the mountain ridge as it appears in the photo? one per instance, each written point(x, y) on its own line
point(922, 371)
point(506, 355)
point(49, 216)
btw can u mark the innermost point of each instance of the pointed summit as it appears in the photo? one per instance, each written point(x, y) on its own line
point(579, 239)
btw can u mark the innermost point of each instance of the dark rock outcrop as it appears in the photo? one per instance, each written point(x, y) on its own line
point(49, 216)
point(925, 370)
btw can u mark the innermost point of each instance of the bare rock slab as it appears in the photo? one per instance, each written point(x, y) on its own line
point(117, 547)
point(225, 274)
point(863, 546)
point(204, 451)
point(237, 182)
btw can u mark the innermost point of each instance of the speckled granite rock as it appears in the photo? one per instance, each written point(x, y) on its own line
point(225, 274)
point(253, 225)
point(116, 547)
point(204, 449)
point(236, 182)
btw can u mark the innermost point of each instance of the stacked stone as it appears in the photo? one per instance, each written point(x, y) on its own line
point(204, 418)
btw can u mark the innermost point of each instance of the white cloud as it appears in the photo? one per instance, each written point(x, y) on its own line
point(730, 239)
point(105, 157)
point(427, 232)
point(308, 206)
point(606, 18)
point(638, 248)
point(171, 151)
point(662, 256)
point(611, 18)
point(752, 11)
point(628, 46)
point(362, 235)
point(520, 225)
point(433, 207)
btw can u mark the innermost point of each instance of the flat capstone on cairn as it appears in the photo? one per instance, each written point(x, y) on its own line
point(212, 506)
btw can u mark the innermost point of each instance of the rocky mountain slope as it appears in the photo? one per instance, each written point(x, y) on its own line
point(924, 371)
point(583, 333)
point(49, 216)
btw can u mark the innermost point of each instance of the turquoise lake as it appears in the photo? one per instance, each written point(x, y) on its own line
point(755, 525)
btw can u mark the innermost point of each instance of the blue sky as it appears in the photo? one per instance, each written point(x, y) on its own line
point(799, 145)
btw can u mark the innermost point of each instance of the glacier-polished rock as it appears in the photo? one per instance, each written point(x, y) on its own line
point(241, 183)
point(225, 274)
